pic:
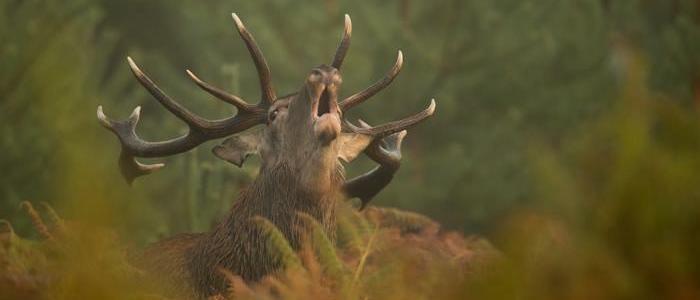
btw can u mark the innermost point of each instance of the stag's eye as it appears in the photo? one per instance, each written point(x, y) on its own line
point(273, 115)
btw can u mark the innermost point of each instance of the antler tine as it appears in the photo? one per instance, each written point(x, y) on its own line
point(223, 95)
point(131, 168)
point(268, 93)
point(125, 131)
point(169, 104)
point(344, 44)
point(390, 128)
point(365, 94)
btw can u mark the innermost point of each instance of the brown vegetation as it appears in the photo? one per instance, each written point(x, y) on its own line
point(378, 247)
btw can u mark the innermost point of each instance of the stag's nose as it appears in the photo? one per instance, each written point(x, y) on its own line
point(324, 76)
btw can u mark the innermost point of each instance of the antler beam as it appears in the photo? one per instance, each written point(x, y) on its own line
point(200, 129)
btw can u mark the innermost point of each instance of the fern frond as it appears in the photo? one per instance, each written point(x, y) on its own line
point(37, 221)
point(7, 233)
point(278, 242)
point(325, 249)
point(237, 288)
point(55, 219)
point(363, 259)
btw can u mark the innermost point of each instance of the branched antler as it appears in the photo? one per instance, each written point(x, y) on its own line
point(385, 146)
point(200, 129)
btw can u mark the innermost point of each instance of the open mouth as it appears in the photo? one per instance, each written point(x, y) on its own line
point(324, 111)
point(324, 104)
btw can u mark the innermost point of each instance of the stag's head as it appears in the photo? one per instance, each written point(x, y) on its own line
point(304, 130)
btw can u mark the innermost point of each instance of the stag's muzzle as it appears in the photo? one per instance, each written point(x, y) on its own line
point(322, 86)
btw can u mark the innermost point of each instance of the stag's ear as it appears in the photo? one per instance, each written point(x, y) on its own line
point(238, 147)
point(351, 144)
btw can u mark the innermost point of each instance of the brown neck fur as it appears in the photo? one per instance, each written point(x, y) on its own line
point(239, 245)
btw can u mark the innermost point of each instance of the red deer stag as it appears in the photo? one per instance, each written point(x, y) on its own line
point(303, 138)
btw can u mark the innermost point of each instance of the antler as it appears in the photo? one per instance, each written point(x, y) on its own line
point(268, 93)
point(386, 129)
point(385, 146)
point(385, 149)
point(200, 129)
point(365, 94)
point(387, 153)
point(344, 44)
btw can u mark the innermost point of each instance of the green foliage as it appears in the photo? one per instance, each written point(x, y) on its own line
point(617, 212)
point(43, 81)
point(277, 241)
point(325, 250)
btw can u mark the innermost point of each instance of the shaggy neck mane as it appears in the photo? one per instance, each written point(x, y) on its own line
point(239, 245)
point(277, 195)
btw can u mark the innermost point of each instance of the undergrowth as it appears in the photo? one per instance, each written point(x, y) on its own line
point(378, 254)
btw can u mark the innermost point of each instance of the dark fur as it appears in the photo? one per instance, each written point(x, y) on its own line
point(237, 243)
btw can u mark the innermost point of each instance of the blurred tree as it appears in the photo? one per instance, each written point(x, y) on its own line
point(51, 63)
point(504, 73)
point(669, 32)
